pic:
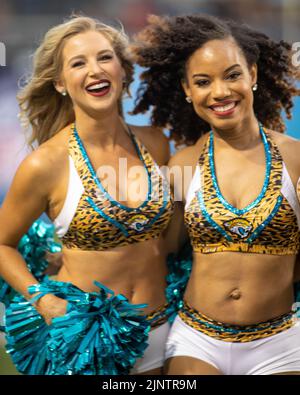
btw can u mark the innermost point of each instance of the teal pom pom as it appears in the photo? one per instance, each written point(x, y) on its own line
point(297, 298)
point(180, 266)
point(6, 295)
point(297, 291)
point(26, 335)
point(33, 246)
point(101, 333)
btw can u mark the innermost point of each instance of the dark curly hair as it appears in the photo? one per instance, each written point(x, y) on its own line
point(163, 48)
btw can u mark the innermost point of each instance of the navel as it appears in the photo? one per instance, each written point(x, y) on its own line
point(236, 294)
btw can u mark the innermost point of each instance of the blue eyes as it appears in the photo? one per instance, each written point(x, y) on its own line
point(77, 64)
point(106, 57)
point(232, 77)
point(100, 59)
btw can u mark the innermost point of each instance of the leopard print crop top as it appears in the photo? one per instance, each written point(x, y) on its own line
point(92, 220)
point(268, 225)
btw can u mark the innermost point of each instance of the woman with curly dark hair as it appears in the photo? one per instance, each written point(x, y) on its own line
point(220, 87)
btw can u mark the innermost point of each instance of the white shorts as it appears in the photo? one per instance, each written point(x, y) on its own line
point(275, 354)
point(154, 356)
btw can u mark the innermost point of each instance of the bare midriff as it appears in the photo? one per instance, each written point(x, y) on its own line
point(136, 271)
point(241, 288)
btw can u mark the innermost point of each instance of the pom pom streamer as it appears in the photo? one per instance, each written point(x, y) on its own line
point(180, 267)
point(297, 299)
point(101, 333)
point(33, 247)
point(26, 335)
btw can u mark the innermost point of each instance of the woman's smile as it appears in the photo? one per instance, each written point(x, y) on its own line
point(99, 88)
point(224, 109)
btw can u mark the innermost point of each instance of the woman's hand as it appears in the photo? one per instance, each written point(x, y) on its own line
point(50, 306)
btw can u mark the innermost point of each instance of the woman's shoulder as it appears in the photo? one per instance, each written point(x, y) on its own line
point(286, 143)
point(188, 155)
point(46, 160)
point(155, 141)
point(283, 138)
point(290, 150)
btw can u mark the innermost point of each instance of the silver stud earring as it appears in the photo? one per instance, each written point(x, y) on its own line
point(188, 99)
point(64, 93)
point(254, 87)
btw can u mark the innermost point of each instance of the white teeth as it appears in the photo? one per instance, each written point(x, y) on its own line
point(224, 108)
point(98, 86)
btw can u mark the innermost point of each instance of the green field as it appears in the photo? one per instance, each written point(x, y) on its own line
point(6, 366)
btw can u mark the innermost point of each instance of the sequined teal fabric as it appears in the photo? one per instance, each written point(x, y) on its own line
point(100, 334)
point(33, 247)
point(180, 266)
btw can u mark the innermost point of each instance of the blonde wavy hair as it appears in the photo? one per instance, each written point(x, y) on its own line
point(42, 108)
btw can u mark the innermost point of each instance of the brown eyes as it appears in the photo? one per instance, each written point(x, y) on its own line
point(202, 82)
point(232, 76)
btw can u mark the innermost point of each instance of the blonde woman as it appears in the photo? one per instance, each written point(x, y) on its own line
point(94, 318)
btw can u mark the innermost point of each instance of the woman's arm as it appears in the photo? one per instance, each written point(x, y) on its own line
point(290, 149)
point(297, 264)
point(176, 234)
point(25, 201)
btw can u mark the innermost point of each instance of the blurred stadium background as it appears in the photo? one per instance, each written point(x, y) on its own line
point(24, 22)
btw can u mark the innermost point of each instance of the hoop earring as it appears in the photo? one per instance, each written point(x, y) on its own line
point(254, 87)
point(188, 99)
